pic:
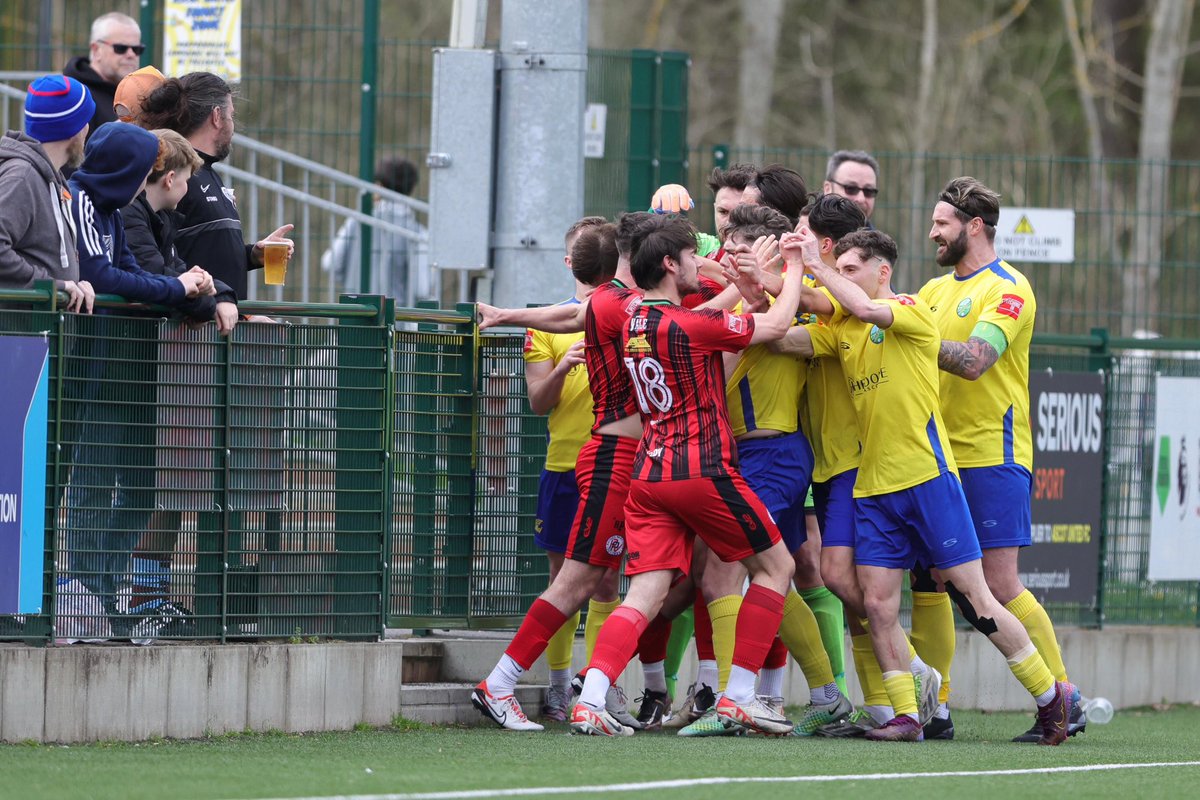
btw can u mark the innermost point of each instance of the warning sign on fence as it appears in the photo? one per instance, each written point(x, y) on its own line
point(203, 35)
point(1026, 235)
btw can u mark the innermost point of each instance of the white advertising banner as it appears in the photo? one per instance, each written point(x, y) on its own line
point(1175, 501)
point(203, 36)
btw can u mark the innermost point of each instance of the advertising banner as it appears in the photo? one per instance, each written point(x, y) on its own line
point(203, 36)
point(1067, 410)
point(1175, 493)
point(23, 407)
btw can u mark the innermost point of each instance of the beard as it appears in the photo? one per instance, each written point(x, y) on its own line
point(223, 150)
point(75, 153)
point(954, 251)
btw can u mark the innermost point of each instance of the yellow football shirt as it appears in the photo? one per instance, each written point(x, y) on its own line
point(764, 390)
point(987, 419)
point(828, 414)
point(569, 425)
point(893, 382)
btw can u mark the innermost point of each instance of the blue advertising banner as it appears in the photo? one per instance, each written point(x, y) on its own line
point(24, 407)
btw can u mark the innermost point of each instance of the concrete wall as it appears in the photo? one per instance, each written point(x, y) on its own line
point(89, 693)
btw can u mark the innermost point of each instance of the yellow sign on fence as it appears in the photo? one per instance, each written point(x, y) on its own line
point(203, 35)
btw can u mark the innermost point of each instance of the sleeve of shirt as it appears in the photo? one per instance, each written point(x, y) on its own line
point(128, 281)
point(708, 290)
point(824, 340)
point(721, 330)
point(912, 318)
point(1008, 307)
point(537, 346)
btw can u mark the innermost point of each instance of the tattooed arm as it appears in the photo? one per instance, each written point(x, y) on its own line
point(969, 359)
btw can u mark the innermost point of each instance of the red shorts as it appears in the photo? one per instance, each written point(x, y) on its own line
point(664, 516)
point(602, 472)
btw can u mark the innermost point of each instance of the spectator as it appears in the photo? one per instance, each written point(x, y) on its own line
point(133, 90)
point(399, 265)
point(199, 106)
point(854, 174)
point(116, 44)
point(111, 492)
point(37, 236)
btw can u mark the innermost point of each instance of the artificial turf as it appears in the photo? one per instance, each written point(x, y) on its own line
point(412, 758)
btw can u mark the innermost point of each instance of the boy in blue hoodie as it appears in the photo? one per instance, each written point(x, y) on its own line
point(113, 370)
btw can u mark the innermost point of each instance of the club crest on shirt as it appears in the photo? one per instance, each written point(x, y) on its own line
point(964, 307)
point(637, 344)
point(229, 195)
point(876, 334)
point(615, 545)
point(1010, 305)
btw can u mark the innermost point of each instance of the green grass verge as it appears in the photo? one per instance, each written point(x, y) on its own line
point(415, 758)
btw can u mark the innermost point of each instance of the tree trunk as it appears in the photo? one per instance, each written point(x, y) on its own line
point(1165, 53)
point(923, 123)
point(760, 49)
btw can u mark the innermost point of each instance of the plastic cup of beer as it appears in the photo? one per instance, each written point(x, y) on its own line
point(275, 261)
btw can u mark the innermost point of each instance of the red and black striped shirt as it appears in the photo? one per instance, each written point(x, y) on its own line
point(673, 355)
point(607, 312)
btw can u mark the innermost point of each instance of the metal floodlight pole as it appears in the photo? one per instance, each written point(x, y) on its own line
point(539, 155)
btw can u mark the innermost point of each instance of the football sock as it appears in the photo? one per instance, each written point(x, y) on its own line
point(831, 619)
point(504, 676)
point(724, 615)
point(595, 687)
point(560, 678)
point(933, 634)
point(824, 695)
point(655, 675)
point(1031, 670)
point(800, 632)
point(702, 625)
point(677, 645)
point(777, 656)
point(757, 621)
point(706, 674)
point(598, 611)
point(770, 681)
point(541, 622)
point(558, 649)
point(870, 676)
point(902, 691)
point(618, 641)
point(652, 644)
point(1030, 613)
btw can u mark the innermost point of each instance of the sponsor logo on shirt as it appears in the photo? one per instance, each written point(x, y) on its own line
point(964, 308)
point(634, 302)
point(876, 334)
point(905, 300)
point(229, 195)
point(736, 324)
point(1011, 305)
point(868, 383)
point(637, 344)
point(528, 340)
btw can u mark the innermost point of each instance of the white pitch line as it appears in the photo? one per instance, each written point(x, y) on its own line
point(686, 783)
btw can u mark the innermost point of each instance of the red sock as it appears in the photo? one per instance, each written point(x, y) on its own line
point(757, 625)
point(542, 621)
point(777, 656)
point(703, 628)
point(618, 641)
point(652, 646)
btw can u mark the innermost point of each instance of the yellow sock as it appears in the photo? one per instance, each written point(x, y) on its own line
point(902, 692)
point(558, 649)
point(933, 634)
point(597, 612)
point(1030, 613)
point(724, 613)
point(1029, 668)
point(870, 676)
point(802, 637)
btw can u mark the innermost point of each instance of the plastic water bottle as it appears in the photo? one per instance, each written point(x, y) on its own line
point(1098, 710)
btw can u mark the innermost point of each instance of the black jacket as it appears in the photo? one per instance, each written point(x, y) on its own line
point(103, 92)
point(151, 238)
point(210, 230)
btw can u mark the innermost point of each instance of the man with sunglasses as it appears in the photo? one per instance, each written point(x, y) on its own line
point(854, 174)
point(116, 45)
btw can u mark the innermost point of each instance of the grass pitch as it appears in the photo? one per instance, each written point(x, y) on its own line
point(485, 762)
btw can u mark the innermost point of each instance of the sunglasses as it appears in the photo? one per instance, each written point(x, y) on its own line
point(851, 189)
point(122, 49)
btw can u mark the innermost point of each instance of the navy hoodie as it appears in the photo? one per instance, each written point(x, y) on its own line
point(117, 159)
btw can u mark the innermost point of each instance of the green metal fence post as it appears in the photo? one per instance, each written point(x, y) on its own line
point(720, 155)
point(1100, 360)
point(460, 461)
point(425, 473)
point(366, 142)
point(672, 96)
point(362, 468)
point(146, 23)
point(642, 135)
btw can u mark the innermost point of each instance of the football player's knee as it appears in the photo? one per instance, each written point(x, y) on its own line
point(985, 625)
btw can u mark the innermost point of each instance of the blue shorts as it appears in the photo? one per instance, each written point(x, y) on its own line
point(778, 469)
point(834, 502)
point(558, 500)
point(999, 498)
point(929, 523)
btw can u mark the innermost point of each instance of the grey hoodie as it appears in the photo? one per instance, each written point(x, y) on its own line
point(37, 235)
